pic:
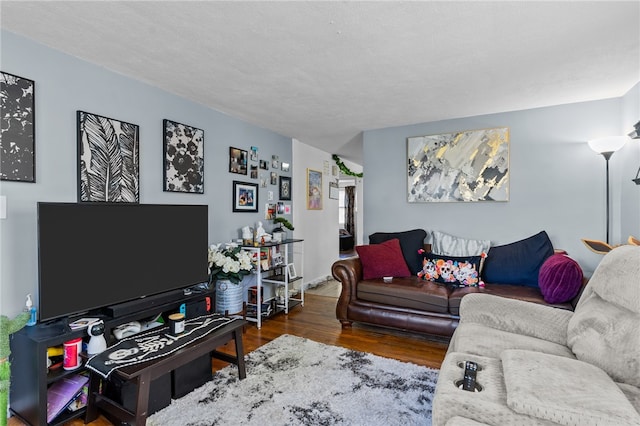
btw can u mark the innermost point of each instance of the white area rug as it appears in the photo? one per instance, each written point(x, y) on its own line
point(296, 381)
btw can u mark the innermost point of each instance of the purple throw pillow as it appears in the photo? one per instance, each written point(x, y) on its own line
point(560, 279)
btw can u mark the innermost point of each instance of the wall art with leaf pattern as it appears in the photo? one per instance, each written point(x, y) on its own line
point(108, 159)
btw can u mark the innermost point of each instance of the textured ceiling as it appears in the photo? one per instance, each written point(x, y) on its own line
point(323, 72)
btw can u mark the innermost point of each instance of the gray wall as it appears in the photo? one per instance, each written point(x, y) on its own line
point(557, 183)
point(63, 85)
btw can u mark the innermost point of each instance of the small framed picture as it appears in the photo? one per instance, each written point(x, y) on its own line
point(274, 178)
point(254, 172)
point(264, 164)
point(237, 161)
point(254, 153)
point(275, 162)
point(333, 190)
point(284, 167)
point(245, 197)
point(285, 187)
point(291, 271)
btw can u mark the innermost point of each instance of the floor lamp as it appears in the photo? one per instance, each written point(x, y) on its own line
point(607, 146)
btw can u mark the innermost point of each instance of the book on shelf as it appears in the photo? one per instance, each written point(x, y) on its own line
point(81, 400)
point(62, 393)
point(82, 323)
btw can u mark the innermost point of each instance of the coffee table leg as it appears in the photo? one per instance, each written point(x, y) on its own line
point(237, 336)
point(142, 403)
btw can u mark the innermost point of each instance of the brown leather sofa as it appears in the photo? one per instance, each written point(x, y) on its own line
point(413, 304)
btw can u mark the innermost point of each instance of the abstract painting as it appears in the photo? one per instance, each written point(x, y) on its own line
point(465, 166)
point(108, 159)
point(17, 140)
point(183, 158)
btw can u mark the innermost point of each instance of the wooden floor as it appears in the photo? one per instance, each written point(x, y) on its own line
point(317, 321)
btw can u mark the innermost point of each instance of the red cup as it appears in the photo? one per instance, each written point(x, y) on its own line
point(71, 357)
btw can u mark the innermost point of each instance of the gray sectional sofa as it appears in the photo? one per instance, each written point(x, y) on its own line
point(540, 365)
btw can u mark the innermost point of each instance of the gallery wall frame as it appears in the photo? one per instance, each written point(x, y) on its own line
point(285, 188)
point(464, 166)
point(17, 138)
point(183, 158)
point(108, 159)
point(291, 271)
point(238, 161)
point(245, 197)
point(334, 191)
point(314, 189)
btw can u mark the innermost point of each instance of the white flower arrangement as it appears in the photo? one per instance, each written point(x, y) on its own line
point(231, 263)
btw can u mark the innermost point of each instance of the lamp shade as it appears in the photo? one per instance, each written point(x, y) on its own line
point(608, 144)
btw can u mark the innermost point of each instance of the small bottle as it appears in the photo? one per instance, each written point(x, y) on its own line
point(33, 317)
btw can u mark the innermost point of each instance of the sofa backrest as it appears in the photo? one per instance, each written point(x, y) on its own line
point(605, 329)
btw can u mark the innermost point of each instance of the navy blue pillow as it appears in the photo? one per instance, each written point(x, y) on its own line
point(517, 263)
point(410, 243)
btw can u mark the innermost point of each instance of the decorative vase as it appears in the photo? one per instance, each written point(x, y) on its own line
point(229, 297)
point(279, 235)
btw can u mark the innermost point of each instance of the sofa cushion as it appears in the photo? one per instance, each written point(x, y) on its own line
point(409, 293)
point(563, 390)
point(383, 260)
point(604, 328)
point(410, 241)
point(458, 271)
point(518, 262)
point(480, 339)
point(560, 278)
point(510, 291)
point(450, 245)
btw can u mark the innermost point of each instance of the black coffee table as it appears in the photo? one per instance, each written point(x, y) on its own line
point(142, 374)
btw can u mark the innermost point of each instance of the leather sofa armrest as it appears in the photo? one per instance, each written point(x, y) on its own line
point(516, 316)
point(349, 273)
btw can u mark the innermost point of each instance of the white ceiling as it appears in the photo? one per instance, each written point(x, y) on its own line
point(323, 72)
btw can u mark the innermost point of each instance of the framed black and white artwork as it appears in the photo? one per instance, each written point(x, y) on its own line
point(183, 158)
point(108, 159)
point(17, 140)
point(285, 188)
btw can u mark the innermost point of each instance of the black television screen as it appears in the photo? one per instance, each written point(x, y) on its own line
point(92, 255)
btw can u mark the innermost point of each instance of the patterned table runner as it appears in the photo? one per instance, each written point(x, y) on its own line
point(154, 344)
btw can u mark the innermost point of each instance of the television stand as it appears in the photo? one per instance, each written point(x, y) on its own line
point(30, 376)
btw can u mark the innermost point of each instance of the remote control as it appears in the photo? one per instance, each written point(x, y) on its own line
point(469, 380)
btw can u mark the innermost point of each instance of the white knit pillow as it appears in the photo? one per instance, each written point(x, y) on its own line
point(449, 245)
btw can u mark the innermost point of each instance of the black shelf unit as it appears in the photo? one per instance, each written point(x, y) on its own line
point(30, 376)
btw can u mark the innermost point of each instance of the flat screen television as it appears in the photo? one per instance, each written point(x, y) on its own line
point(92, 255)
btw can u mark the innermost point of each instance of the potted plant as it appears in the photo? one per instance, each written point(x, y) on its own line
point(279, 234)
point(227, 268)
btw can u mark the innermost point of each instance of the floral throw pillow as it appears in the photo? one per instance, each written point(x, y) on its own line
point(452, 270)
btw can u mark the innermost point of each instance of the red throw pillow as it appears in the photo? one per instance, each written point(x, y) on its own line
point(383, 260)
point(560, 279)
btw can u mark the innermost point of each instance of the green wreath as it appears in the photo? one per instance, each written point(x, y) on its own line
point(344, 169)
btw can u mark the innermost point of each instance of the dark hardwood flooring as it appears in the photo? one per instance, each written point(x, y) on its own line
point(317, 321)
